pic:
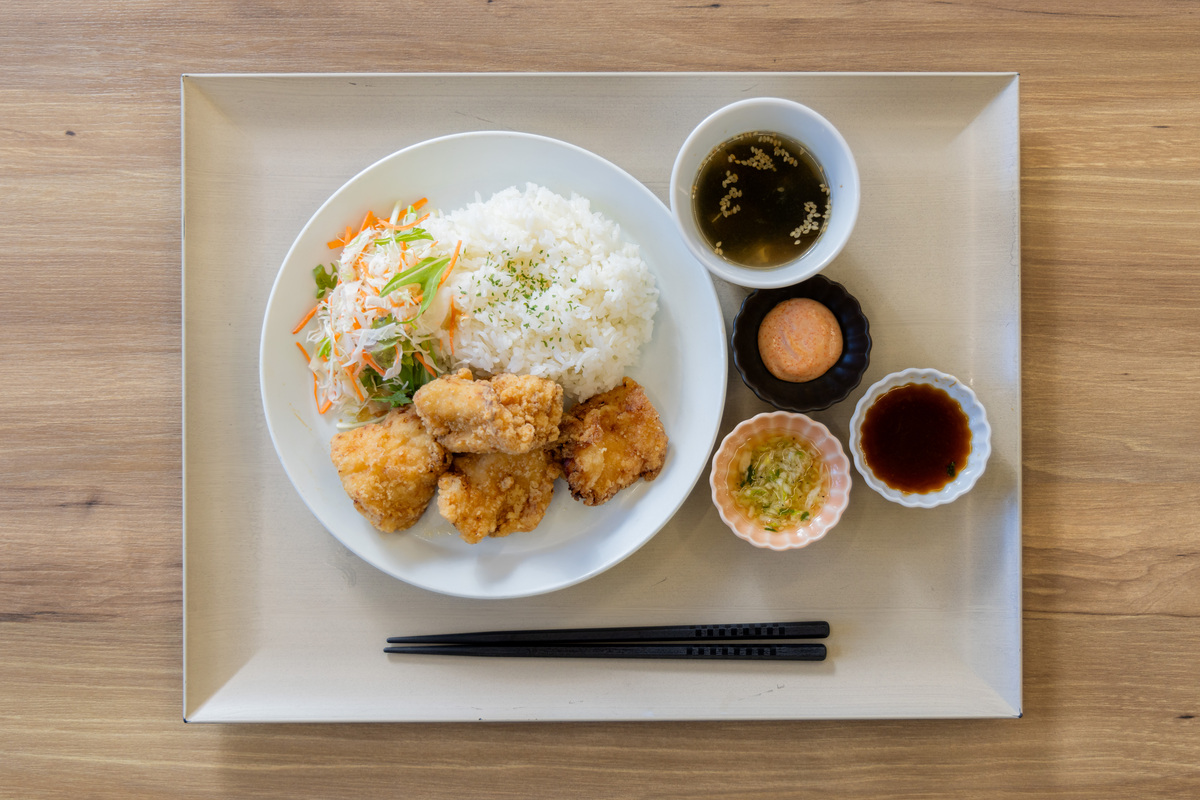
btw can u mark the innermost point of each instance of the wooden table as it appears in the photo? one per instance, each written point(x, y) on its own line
point(90, 597)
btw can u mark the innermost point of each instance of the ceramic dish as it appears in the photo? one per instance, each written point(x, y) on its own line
point(823, 142)
point(832, 387)
point(981, 437)
point(682, 370)
point(837, 498)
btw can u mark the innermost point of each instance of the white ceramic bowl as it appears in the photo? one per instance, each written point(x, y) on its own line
point(839, 481)
point(981, 437)
point(805, 126)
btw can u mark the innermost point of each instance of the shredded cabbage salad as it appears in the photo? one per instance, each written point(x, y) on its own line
point(381, 327)
point(778, 480)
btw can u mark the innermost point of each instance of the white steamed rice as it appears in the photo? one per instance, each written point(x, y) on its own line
point(547, 288)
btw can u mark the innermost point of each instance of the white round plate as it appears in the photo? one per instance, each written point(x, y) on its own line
point(683, 370)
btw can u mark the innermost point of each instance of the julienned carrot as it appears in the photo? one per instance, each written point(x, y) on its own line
point(369, 221)
point(346, 237)
point(367, 357)
point(415, 222)
point(304, 321)
point(325, 406)
point(387, 223)
point(449, 269)
point(452, 326)
point(316, 395)
point(302, 350)
point(417, 354)
point(354, 385)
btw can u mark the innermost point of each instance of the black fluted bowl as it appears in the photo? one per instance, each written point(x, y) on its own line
point(820, 393)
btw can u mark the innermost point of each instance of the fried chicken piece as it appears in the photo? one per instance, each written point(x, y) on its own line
point(495, 494)
point(508, 414)
point(609, 441)
point(390, 468)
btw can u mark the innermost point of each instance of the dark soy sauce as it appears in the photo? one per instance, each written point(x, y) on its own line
point(916, 438)
point(760, 200)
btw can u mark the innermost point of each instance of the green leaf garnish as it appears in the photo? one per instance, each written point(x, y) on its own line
point(415, 235)
point(398, 390)
point(325, 280)
point(427, 274)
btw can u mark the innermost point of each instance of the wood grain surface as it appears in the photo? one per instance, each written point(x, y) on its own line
point(90, 487)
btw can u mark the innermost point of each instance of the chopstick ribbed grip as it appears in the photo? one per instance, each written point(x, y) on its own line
point(784, 652)
point(783, 630)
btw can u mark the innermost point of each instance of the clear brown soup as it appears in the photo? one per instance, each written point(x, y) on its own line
point(760, 200)
point(916, 438)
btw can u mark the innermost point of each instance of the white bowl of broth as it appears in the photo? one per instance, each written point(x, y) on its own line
point(765, 192)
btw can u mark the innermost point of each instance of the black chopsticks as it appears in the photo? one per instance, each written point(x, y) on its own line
point(776, 652)
point(757, 641)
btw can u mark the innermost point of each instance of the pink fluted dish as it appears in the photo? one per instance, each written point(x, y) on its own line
point(837, 498)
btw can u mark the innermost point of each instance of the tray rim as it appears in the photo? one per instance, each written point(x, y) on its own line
point(197, 78)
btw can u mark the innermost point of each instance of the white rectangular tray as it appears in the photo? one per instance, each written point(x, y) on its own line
point(284, 624)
